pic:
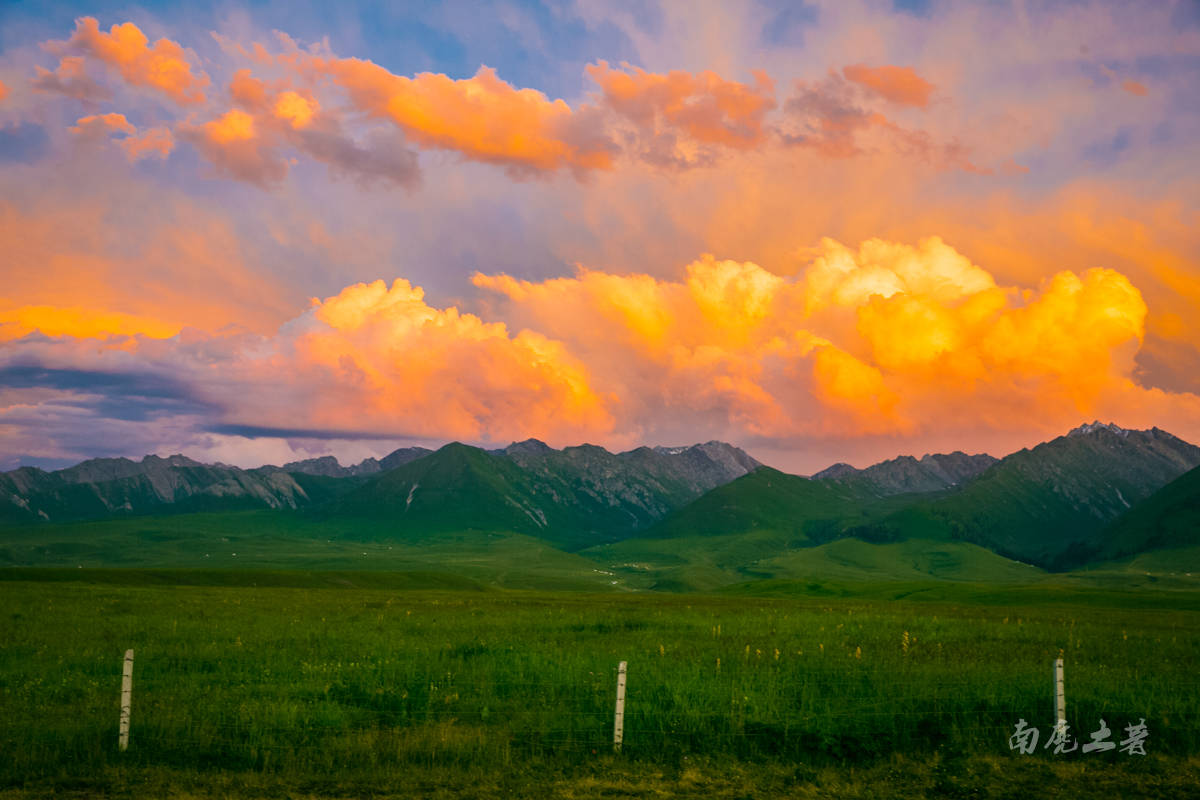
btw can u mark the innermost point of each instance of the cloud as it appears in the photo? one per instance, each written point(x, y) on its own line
point(100, 126)
point(380, 157)
point(252, 142)
point(153, 143)
point(296, 109)
point(483, 118)
point(97, 254)
point(899, 85)
point(1135, 88)
point(296, 101)
point(109, 240)
point(79, 322)
point(832, 118)
point(70, 78)
point(163, 67)
point(684, 119)
point(156, 142)
point(233, 144)
point(886, 339)
point(410, 366)
point(3, 91)
point(130, 396)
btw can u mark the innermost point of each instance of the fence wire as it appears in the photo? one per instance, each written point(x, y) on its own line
point(241, 717)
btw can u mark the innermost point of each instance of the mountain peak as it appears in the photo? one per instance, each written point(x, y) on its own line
point(1092, 427)
point(175, 460)
point(839, 470)
point(528, 446)
point(322, 463)
point(903, 474)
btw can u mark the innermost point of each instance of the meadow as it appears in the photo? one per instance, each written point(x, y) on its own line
point(415, 687)
point(423, 687)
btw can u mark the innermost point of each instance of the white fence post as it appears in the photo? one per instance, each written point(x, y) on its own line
point(1060, 700)
point(619, 719)
point(126, 700)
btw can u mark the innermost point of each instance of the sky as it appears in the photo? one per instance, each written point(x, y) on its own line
point(831, 231)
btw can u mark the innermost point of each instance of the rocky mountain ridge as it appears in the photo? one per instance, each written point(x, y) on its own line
point(574, 497)
point(645, 483)
point(330, 467)
point(1048, 504)
point(105, 486)
point(906, 474)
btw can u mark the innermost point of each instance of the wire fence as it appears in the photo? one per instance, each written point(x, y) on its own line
point(255, 721)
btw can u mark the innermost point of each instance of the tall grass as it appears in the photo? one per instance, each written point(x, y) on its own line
point(312, 683)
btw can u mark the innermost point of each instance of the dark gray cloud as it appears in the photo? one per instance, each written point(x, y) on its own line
point(130, 396)
point(261, 431)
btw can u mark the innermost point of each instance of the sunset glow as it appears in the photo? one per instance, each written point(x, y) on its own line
point(874, 231)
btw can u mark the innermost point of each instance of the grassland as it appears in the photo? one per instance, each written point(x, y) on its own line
point(406, 689)
point(707, 563)
point(280, 540)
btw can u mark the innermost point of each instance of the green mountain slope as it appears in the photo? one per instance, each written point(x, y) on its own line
point(575, 497)
point(708, 563)
point(914, 559)
point(620, 493)
point(119, 486)
point(455, 488)
point(736, 531)
point(799, 509)
point(1169, 518)
point(1048, 505)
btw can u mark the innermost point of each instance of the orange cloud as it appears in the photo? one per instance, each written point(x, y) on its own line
point(324, 106)
point(102, 125)
point(829, 118)
point(232, 126)
point(887, 338)
point(156, 142)
point(70, 78)
point(393, 362)
point(858, 390)
point(899, 85)
point(279, 100)
point(839, 276)
point(68, 267)
point(163, 67)
point(681, 118)
point(248, 91)
point(250, 142)
point(296, 109)
point(1133, 87)
point(3, 91)
point(482, 117)
point(81, 323)
point(232, 143)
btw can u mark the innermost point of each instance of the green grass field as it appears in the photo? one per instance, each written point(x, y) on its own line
point(274, 540)
point(418, 685)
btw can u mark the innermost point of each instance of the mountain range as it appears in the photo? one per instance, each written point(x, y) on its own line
point(1047, 505)
point(581, 494)
point(700, 516)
